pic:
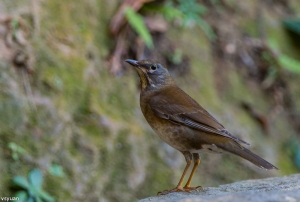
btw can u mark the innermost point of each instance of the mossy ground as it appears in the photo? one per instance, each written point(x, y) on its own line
point(74, 113)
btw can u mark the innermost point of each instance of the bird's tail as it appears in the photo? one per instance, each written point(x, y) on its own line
point(250, 156)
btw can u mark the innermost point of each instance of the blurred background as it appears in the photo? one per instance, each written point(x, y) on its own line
point(71, 128)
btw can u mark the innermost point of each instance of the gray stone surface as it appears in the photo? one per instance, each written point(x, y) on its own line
point(270, 189)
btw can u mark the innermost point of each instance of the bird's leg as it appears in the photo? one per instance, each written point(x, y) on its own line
point(188, 158)
point(188, 183)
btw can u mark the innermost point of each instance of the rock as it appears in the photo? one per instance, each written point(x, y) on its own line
point(270, 189)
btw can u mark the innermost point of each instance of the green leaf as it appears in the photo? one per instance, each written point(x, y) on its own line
point(21, 181)
point(36, 178)
point(12, 145)
point(31, 199)
point(15, 26)
point(192, 7)
point(193, 11)
point(22, 195)
point(169, 12)
point(56, 170)
point(38, 199)
point(187, 11)
point(290, 64)
point(189, 7)
point(137, 23)
point(16, 150)
point(45, 196)
point(206, 28)
point(292, 25)
point(15, 156)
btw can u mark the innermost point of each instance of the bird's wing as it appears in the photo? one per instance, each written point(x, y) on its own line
point(176, 106)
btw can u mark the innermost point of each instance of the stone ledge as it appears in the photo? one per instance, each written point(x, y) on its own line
point(285, 188)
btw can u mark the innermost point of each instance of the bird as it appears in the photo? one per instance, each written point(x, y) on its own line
point(183, 123)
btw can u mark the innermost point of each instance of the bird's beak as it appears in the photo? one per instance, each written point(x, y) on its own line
point(145, 80)
point(132, 62)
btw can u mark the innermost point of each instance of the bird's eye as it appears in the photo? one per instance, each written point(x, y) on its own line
point(153, 68)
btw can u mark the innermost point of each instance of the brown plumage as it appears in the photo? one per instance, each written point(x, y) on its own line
point(182, 123)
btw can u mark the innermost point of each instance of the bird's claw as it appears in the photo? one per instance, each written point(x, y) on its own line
point(194, 188)
point(180, 189)
point(176, 189)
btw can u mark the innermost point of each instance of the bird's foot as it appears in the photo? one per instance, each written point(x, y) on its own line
point(176, 189)
point(193, 188)
point(180, 189)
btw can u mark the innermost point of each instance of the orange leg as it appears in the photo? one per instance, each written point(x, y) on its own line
point(179, 188)
point(188, 183)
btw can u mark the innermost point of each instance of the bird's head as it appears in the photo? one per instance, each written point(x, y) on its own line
point(152, 74)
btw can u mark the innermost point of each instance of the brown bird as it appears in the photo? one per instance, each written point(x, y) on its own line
point(182, 123)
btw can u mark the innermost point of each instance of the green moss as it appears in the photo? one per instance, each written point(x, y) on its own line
point(116, 92)
point(286, 164)
point(119, 167)
point(161, 179)
point(80, 116)
point(200, 82)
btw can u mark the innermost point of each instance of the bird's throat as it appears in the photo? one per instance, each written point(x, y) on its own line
point(144, 78)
